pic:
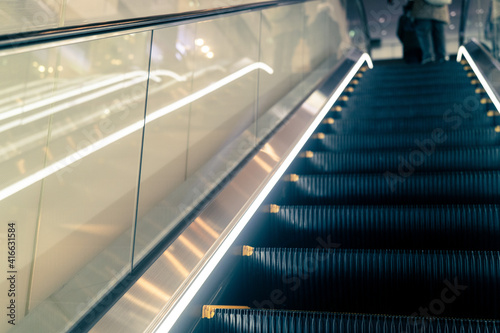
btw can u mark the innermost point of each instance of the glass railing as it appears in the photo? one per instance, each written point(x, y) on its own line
point(482, 22)
point(109, 141)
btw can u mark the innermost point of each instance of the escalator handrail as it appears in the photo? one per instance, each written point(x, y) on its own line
point(30, 38)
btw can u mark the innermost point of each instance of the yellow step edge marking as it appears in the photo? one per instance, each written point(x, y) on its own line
point(497, 129)
point(319, 136)
point(359, 75)
point(337, 109)
point(328, 121)
point(307, 154)
point(208, 311)
point(350, 89)
point(354, 82)
point(364, 68)
point(274, 209)
point(493, 113)
point(291, 178)
point(247, 251)
point(463, 62)
point(471, 74)
point(344, 98)
point(485, 101)
point(474, 82)
point(467, 68)
point(480, 91)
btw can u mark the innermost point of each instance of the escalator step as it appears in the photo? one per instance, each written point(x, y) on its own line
point(468, 227)
point(422, 75)
point(466, 87)
point(389, 188)
point(397, 81)
point(279, 321)
point(405, 69)
point(396, 282)
point(380, 161)
point(394, 125)
point(408, 111)
point(423, 141)
point(458, 89)
point(403, 101)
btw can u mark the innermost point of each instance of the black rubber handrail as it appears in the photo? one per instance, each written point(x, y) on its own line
point(64, 33)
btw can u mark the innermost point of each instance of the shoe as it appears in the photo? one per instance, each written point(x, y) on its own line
point(426, 61)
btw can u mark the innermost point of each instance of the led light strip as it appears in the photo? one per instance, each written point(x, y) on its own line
point(78, 155)
point(176, 310)
point(462, 52)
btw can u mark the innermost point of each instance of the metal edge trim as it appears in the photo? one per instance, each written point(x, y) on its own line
point(184, 294)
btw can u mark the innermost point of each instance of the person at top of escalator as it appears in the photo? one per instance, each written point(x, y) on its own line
point(430, 21)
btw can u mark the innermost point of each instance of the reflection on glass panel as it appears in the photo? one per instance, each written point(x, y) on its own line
point(165, 140)
point(480, 21)
point(319, 44)
point(493, 30)
point(231, 45)
point(283, 48)
point(91, 168)
point(295, 47)
point(26, 83)
point(88, 11)
point(29, 15)
point(483, 24)
point(335, 33)
point(356, 29)
point(325, 30)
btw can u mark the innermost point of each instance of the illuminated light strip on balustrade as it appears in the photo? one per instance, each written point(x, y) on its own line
point(180, 305)
point(68, 160)
point(462, 52)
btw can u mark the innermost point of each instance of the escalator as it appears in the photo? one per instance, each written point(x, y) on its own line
point(387, 221)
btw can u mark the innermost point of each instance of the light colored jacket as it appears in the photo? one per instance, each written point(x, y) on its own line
point(422, 10)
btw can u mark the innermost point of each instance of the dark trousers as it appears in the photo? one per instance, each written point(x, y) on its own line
point(430, 34)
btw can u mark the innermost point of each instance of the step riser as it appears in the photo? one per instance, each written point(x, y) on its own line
point(423, 142)
point(251, 321)
point(349, 126)
point(399, 161)
point(410, 227)
point(445, 188)
point(391, 282)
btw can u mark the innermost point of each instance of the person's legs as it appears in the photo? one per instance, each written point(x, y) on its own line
point(439, 40)
point(423, 28)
